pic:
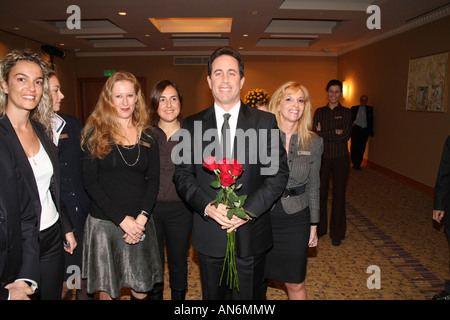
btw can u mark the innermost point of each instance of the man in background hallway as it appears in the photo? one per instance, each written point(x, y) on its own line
point(333, 123)
point(362, 127)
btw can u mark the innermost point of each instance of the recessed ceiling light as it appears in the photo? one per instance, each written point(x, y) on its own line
point(192, 25)
point(254, 12)
point(241, 48)
point(61, 44)
point(163, 48)
point(147, 35)
point(16, 28)
point(245, 35)
point(122, 13)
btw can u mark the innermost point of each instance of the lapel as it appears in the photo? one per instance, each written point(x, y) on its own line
point(208, 144)
point(49, 147)
point(22, 161)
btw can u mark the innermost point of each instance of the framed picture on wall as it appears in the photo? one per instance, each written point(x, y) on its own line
point(428, 80)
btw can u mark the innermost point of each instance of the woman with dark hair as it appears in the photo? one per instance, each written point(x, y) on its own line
point(173, 220)
point(25, 121)
point(121, 176)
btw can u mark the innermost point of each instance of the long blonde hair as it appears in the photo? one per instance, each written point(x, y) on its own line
point(304, 129)
point(102, 128)
point(43, 112)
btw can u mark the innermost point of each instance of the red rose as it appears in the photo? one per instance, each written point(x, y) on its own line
point(210, 163)
point(225, 165)
point(226, 179)
point(236, 168)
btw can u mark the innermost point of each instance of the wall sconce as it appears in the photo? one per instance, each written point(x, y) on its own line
point(344, 88)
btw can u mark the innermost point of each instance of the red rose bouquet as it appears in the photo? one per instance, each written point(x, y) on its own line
point(227, 171)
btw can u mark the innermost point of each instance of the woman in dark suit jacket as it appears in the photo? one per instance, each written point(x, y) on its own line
point(17, 230)
point(25, 112)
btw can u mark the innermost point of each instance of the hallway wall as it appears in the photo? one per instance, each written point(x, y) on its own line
point(409, 143)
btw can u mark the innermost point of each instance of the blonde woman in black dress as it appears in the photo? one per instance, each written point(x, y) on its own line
point(295, 216)
point(121, 175)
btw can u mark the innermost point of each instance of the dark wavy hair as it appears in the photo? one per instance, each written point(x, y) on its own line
point(156, 93)
point(228, 51)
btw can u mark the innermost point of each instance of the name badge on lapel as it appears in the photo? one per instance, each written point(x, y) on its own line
point(304, 153)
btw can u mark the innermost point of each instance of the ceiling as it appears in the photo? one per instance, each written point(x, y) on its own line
point(283, 27)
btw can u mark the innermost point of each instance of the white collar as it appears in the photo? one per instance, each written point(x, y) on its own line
point(234, 112)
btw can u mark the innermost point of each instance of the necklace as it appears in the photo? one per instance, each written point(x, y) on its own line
point(131, 148)
point(137, 159)
point(137, 141)
point(32, 159)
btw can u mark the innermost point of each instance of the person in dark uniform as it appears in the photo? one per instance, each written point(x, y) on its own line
point(67, 136)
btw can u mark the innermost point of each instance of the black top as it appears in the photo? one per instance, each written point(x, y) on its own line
point(167, 191)
point(335, 145)
point(117, 189)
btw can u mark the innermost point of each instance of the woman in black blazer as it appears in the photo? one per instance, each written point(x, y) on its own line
point(25, 121)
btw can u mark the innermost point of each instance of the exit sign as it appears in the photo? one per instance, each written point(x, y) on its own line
point(108, 73)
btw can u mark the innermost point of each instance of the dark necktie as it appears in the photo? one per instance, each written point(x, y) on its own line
point(226, 140)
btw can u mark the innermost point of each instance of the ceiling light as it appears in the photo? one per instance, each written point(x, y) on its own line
point(245, 35)
point(147, 35)
point(192, 25)
point(254, 12)
point(122, 13)
point(16, 28)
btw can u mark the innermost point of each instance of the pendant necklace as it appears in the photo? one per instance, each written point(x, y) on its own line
point(131, 148)
point(31, 159)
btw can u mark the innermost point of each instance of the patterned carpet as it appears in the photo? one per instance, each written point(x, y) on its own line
point(389, 225)
point(389, 230)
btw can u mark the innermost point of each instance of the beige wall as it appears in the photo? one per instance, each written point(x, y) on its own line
point(409, 143)
point(264, 72)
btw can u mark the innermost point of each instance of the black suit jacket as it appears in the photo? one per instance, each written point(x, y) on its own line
point(19, 250)
point(442, 187)
point(23, 164)
point(73, 193)
point(192, 180)
point(369, 116)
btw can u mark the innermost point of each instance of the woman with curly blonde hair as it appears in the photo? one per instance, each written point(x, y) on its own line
point(25, 119)
point(296, 215)
point(121, 176)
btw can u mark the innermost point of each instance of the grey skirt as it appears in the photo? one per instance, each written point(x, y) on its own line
point(109, 263)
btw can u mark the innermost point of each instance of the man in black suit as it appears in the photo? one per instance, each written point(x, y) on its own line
point(257, 146)
point(19, 252)
point(362, 118)
point(441, 205)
